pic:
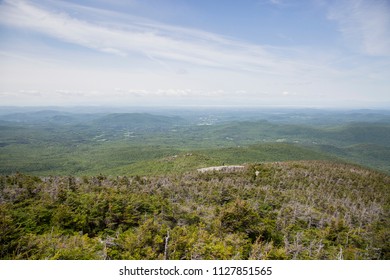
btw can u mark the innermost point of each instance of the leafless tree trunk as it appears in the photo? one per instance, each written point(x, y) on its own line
point(166, 246)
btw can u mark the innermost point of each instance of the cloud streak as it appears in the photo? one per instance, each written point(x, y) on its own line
point(143, 37)
point(365, 24)
point(96, 54)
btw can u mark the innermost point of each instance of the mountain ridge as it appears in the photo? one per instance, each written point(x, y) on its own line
point(282, 210)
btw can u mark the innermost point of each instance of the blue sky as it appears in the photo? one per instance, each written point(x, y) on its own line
point(308, 53)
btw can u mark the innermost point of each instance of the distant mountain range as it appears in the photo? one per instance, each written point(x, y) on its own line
point(64, 142)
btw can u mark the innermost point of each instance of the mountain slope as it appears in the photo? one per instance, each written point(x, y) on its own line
point(289, 210)
point(190, 160)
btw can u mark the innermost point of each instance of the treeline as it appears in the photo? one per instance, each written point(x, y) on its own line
point(292, 210)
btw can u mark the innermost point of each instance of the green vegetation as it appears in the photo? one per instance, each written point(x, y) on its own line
point(57, 143)
point(290, 210)
point(315, 185)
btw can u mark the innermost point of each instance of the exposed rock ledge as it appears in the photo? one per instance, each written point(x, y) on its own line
point(226, 168)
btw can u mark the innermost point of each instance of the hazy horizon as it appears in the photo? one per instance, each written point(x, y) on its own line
point(253, 53)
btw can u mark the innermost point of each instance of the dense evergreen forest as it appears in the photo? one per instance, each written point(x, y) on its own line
point(291, 210)
point(314, 184)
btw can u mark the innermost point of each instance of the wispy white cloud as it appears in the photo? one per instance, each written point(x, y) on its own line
point(364, 23)
point(159, 42)
point(276, 2)
point(116, 57)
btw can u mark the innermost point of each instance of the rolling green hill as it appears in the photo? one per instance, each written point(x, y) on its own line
point(138, 121)
point(192, 160)
point(118, 158)
point(55, 142)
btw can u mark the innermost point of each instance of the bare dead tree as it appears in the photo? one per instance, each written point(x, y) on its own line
point(166, 246)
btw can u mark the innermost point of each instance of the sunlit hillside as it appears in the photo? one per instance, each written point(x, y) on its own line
point(281, 210)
